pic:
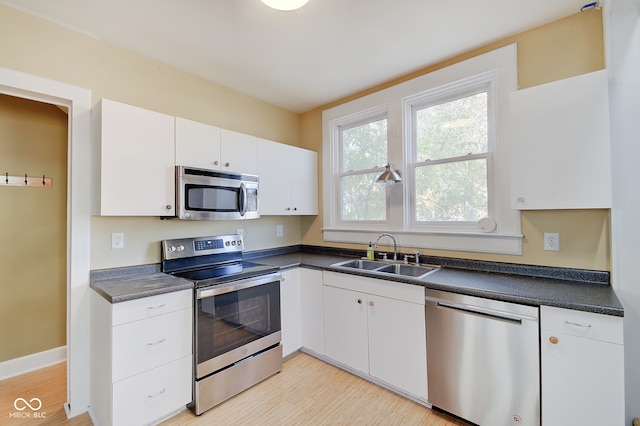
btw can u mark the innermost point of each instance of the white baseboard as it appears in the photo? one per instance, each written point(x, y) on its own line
point(25, 364)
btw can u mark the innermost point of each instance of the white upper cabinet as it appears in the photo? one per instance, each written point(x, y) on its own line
point(288, 179)
point(237, 152)
point(197, 144)
point(560, 135)
point(137, 176)
point(209, 147)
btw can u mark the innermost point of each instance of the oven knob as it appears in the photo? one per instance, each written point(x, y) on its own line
point(233, 243)
point(172, 249)
point(180, 248)
point(227, 243)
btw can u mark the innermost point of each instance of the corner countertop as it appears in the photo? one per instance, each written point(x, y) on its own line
point(594, 297)
point(581, 290)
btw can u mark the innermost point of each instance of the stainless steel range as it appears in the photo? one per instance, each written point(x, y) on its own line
point(236, 315)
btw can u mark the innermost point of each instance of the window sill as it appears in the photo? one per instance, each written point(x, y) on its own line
point(472, 242)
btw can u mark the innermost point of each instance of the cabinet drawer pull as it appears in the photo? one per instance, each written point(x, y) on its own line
point(553, 340)
point(157, 342)
point(156, 307)
point(578, 325)
point(153, 395)
point(360, 301)
point(215, 163)
point(371, 303)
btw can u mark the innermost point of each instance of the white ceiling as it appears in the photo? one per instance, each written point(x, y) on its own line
point(306, 58)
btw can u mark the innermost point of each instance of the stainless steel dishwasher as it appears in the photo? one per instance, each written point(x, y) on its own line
point(483, 359)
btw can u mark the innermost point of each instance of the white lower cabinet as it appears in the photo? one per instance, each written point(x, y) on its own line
point(378, 328)
point(290, 311)
point(582, 368)
point(311, 310)
point(141, 358)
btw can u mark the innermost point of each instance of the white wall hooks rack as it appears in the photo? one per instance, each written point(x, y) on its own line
point(31, 181)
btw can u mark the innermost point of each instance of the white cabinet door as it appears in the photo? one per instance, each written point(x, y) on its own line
point(290, 311)
point(137, 176)
point(304, 182)
point(237, 152)
point(345, 327)
point(197, 144)
point(288, 179)
point(274, 172)
point(582, 368)
point(397, 344)
point(312, 310)
point(560, 138)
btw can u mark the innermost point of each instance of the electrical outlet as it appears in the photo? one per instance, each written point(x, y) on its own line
point(279, 231)
point(552, 241)
point(117, 240)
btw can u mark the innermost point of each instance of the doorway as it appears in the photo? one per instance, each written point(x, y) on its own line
point(77, 100)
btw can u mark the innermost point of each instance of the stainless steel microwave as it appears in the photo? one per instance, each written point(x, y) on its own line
point(203, 194)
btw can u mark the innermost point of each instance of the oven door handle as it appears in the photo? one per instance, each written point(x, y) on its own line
point(203, 293)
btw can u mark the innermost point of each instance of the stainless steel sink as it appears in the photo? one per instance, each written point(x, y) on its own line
point(406, 270)
point(369, 265)
point(387, 268)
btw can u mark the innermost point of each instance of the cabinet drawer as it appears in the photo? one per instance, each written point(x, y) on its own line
point(152, 395)
point(607, 328)
point(149, 307)
point(146, 344)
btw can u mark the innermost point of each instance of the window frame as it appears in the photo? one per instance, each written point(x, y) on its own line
point(361, 119)
point(503, 238)
point(483, 82)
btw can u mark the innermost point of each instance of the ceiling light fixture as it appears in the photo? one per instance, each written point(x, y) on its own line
point(285, 5)
point(390, 175)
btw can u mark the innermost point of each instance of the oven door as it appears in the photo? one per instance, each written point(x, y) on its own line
point(236, 320)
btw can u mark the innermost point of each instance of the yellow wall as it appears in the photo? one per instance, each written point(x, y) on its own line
point(558, 50)
point(38, 47)
point(33, 287)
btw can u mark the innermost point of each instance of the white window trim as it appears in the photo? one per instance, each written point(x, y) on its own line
point(506, 238)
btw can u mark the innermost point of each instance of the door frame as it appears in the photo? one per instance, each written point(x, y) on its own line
point(79, 204)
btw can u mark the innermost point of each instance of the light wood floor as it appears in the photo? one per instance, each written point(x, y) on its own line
point(307, 392)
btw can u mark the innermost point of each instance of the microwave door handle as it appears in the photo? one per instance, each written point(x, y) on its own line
point(242, 199)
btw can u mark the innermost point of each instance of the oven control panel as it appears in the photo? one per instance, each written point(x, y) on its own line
point(201, 246)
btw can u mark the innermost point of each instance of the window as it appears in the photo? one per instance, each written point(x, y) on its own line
point(447, 132)
point(452, 159)
point(363, 150)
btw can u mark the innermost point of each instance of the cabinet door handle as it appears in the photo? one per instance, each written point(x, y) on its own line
point(553, 340)
point(157, 342)
point(578, 325)
point(371, 303)
point(169, 206)
point(360, 301)
point(153, 395)
point(215, 163)
point(227, 164)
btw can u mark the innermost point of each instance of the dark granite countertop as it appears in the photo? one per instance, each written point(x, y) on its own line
point(574, 289)
point(123, 284)
point(582, 290)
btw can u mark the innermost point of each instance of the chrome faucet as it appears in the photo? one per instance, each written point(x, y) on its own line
point(395, 246)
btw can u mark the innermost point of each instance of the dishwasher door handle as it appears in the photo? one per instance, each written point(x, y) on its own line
point(484, 312)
